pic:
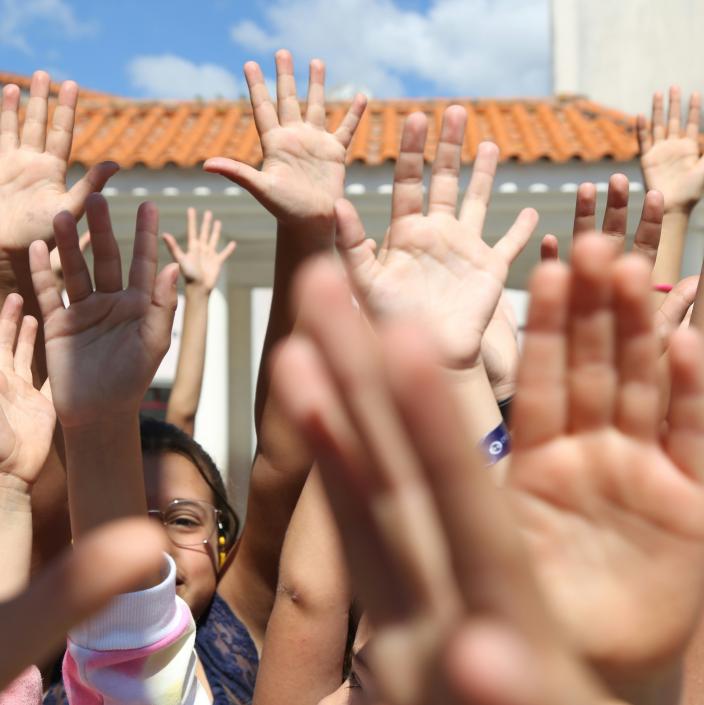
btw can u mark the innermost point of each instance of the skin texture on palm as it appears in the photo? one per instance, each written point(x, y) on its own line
point(612, 513)
point(34, 165)
point(435, 265)
point(433, 555)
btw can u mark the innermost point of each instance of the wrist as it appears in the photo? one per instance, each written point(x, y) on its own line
point(306, 236)
point(15, 495)
point(681, 210)
point(196, 291)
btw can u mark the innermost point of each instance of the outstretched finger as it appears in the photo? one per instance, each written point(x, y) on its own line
point(24, 352)
point(9, 122)
point(60, 135)
point(145, 250)
point(34, 128)
point(173, 247)
point(693, 116)
point(77, 281)
point(539, 409)
point(160, 316)
point(615, 221)
point(591, 370)
point(476, 200)
point(444, 182)
point(315, 109)
point(685, 437)
point(43, 280)
point(107, 263)
point(287, 101)
point(549, 248)
point(113, 559)
point(513, 242)
point(645, 139)
point(93, 182)
point(215, 236)
point(191, 227)
point(657, 120)
point(637, 350)
point(10, 315)
point(224, 255)
point(407, 196)
point(350, 241)
point(205, 227)
point(249, 178)
point(584, 210)
point(647, 238)
point(264, 112)
point(346, 131)
point(674, 113)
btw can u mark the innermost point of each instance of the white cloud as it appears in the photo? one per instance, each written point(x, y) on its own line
point(170, 76)
point(459, 47)
point(17, 17)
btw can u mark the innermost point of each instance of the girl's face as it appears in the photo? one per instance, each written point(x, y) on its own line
point(169, 476)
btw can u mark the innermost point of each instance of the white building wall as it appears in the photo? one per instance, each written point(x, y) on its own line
point(618, 52)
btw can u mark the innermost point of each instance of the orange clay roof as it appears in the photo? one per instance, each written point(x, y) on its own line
point(157, 133)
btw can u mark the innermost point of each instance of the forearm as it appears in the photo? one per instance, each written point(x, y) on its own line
point(105, 474)
point(15, 536)
point(294, 246)
point(478, 405)
point(669, 258)
point(185, 393)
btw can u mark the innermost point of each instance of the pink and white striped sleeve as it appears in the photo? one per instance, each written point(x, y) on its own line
point(138, 651)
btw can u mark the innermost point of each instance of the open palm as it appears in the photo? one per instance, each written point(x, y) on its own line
point(27, 416)
point(304, 165)
point(436, 266)
point(670, 158)
point(33, 169)
point(103, 350)
point(614, 517)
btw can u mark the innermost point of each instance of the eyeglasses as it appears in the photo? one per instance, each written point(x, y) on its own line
point(188, 522)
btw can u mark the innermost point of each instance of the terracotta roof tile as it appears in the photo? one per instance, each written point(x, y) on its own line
point(155, 133)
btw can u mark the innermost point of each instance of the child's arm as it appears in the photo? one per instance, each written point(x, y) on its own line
point(304, 648)
point(200, 266)
point(671, 162)
point(435, 266)
point(102, 352)
point(302, 176)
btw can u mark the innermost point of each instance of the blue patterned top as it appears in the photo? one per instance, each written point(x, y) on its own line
point(225, 649)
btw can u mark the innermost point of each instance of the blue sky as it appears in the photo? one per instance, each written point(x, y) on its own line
point(183, 49)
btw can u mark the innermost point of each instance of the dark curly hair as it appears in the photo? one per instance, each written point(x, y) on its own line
point(161, 437)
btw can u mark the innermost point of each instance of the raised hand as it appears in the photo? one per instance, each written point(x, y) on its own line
point(103, 350)
point(27, 416)
point(613, 512)
point(33, 167)
point(201, 262)
point(304, 165)
point(615, 222)
point(435, 265)
point(670, 156)
point(433, 555)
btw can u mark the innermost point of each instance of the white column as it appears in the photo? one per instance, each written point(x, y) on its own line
point(211, 420)
point(565, 46)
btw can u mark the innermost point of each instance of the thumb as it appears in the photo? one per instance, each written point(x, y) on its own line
point(353, 246)
point(160, 316)
point(243, 175)
point(94, 181)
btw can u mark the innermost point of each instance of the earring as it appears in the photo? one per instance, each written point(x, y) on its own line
point(222, 553)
